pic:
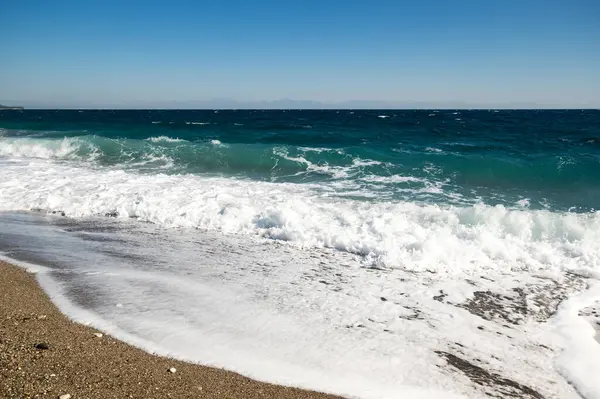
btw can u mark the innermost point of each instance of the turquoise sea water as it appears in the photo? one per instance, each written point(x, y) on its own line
point(538, 159)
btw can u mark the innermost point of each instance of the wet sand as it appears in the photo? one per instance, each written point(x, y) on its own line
point(71, 359)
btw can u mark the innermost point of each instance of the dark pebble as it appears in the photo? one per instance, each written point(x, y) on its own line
point(480, 327)
point(42, 346)
point(384, 299)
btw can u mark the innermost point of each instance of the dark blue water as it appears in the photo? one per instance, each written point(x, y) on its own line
point(542, 159)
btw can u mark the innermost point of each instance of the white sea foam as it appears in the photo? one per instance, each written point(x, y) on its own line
point(523, 203)
point(161, 161)
point(383, 116)
point(197, 123)
point(392, 179)
point(165, 139)
point(319, 149)
point(337, 172)
point(365, 162)
point(442, 239)
point(433, 149)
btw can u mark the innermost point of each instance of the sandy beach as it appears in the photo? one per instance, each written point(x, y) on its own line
point(82, 364)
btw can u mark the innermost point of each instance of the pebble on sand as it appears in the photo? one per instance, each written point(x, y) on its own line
point(42, 346)
point(98, 335)
point(65, 396)
point(172, 370)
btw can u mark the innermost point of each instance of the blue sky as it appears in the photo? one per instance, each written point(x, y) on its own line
point(187, 53)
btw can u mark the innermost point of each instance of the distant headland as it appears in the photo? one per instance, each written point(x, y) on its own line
point(3, 107)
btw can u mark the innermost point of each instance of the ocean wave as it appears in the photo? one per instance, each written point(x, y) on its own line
point(460, 168)
point(67, 148)
point(152, 161)
point(335, 171)
point(185, 157)
point(417, 237)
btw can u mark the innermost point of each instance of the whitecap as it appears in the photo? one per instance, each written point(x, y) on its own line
point(317, 149)
point(523, 203)
point(392, 179)
point(67, 148)
point(165, 139)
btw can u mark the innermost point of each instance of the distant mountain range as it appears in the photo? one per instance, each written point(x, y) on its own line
point(9, 107)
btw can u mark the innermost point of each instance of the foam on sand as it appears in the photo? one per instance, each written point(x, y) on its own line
point(315, 319)
point(579, 361)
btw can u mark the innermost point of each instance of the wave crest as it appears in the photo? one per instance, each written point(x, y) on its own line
point(67, 148)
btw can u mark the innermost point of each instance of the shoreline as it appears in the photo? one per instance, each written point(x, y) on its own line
point(80, 363)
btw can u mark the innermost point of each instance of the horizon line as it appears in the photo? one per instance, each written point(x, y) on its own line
point(23, 108)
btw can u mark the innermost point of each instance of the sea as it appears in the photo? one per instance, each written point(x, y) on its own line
point(357, 252)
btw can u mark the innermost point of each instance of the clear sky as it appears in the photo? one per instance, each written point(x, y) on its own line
point(122, 53)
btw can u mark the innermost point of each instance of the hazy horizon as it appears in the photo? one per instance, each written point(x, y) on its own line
point(289, 104)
